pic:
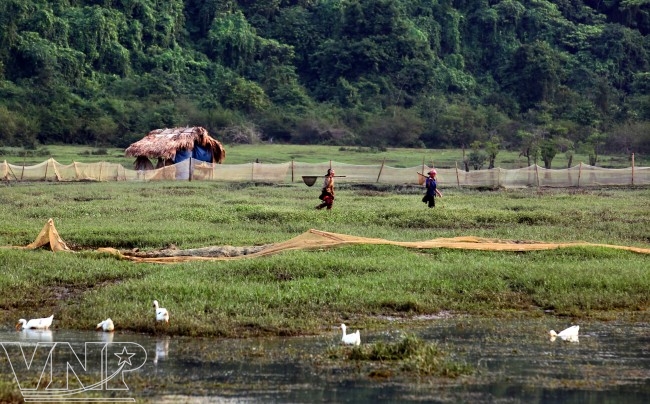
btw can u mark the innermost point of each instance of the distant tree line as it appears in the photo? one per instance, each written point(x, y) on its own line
point(536, 76)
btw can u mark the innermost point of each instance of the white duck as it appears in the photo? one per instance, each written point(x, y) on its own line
point(161, 313)
point(106, 325)
point(570, 334)
point(39, 323)
point(350, 339)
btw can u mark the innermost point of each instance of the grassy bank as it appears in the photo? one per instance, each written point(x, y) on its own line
point(279, 153)
point(308, 291)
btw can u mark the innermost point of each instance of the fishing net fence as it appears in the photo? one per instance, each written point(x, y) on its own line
point(581, 175)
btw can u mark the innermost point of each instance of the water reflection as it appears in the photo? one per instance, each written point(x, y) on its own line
point(162, 348)
point(33, 335)
point(106, 336)
point(514, 360)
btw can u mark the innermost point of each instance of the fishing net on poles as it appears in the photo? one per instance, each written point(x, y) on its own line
point(313, 240)
point(292, 172)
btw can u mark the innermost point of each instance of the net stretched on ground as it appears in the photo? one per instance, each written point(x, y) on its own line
point(312, 240)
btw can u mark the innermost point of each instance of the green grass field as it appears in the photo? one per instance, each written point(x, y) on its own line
point(305, 292)
point(277, 153)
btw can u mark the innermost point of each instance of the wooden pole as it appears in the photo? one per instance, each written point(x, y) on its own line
point(12, 171)
point(579, 173)
point(632, 168)
point(24, 161)
point(422, 165)
point(46, 167)
point(253, 171)
point(381, 168)
point(457, 176)
point(498, 177)
point(292, 170)
point(57, 175)
point(189, 177)
point(536, 175)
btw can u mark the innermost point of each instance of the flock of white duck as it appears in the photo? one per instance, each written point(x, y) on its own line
point(162, 315)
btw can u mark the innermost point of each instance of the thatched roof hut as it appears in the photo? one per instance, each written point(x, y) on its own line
point(178, 144)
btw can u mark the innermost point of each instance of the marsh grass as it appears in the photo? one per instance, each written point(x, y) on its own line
point(303, 292)
point(410, 355)
point(8, 391)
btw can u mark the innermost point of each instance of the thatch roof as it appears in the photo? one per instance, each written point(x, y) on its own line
point(163, 143)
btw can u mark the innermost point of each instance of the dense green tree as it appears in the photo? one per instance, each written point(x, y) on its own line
point(477, 156)
point(461, 125)
point(443, 73)
point(492, 147)
point(529, 142)
point(593, 146)
point(535, 73)
point(548, 150)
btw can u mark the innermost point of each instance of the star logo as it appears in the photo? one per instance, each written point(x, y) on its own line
point(125, 357)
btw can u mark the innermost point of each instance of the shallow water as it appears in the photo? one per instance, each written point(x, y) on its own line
point(514, 361)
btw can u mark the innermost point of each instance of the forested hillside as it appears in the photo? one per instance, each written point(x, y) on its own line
point(537, 76)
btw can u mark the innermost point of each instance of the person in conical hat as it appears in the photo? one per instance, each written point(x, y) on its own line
point(431, 184)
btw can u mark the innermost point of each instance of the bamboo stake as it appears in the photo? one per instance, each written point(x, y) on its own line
point(632, 168)
point(498, 177)
point(579, 173)
point(189, 177)
point(12, 171)
point(24, 161)
point(292, 170)
point(381, 169)
point(457, 176)
point(57, 174)
point(537, 175)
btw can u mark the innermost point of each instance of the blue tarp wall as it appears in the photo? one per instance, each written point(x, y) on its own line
point(199, 153)
point(202, 154)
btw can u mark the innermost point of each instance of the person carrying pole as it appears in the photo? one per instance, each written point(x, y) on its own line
point(327, 193)
point(432, 189)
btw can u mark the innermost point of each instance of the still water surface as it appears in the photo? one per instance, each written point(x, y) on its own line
point(514, 361)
